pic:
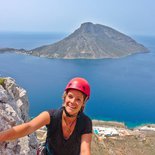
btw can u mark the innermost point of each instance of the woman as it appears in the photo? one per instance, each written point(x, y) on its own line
point(69, 130)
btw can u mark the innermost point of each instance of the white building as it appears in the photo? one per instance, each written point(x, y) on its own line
point(106, 131)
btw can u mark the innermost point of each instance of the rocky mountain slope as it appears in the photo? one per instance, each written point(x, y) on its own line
point(137, 141)
point(14, 108)
point(91, 41)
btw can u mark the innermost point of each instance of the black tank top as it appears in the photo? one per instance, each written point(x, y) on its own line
point(55, 139)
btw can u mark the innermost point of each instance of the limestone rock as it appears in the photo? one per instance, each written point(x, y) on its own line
point(14, 108)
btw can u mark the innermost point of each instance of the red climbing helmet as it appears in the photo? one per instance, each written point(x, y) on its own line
point(80, 84)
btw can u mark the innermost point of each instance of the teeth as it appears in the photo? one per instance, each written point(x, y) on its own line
point(72, 107)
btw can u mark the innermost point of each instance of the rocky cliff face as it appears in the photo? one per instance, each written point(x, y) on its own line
point(14, 108)
point(91, 41)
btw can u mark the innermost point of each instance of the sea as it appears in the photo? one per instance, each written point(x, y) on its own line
point(122, 89)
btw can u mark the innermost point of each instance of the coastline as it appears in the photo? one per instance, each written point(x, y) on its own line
point(121, 124)
point(128, 124)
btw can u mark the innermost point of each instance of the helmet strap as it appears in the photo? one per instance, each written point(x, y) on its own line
point(67, 114)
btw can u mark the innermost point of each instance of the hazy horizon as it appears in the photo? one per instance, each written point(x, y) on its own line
point(64, 16)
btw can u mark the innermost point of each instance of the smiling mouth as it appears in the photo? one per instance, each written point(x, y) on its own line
point(72, 107)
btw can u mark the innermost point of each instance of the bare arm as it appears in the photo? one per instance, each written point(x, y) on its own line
point(86, 144)
point(26, 128)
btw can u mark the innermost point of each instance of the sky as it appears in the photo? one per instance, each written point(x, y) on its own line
point(132, 17)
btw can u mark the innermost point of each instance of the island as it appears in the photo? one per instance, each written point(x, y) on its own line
point(90, 41)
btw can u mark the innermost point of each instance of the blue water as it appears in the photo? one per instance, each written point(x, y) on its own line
point(122, 89)
point(28, 40)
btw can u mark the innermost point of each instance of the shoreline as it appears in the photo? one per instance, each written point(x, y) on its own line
point(129, 125)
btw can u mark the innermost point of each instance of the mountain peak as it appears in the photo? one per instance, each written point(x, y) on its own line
point(88, 27)
point(87, 24)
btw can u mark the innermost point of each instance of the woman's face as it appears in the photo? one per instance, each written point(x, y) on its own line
point(73, 102)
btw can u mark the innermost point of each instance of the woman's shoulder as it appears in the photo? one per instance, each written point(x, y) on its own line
point(84, 120)
point(84, 124)
point(53, 112)
point(84, 117)
point(55, 116)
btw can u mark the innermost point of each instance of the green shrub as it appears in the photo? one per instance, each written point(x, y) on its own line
point(2, 81)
